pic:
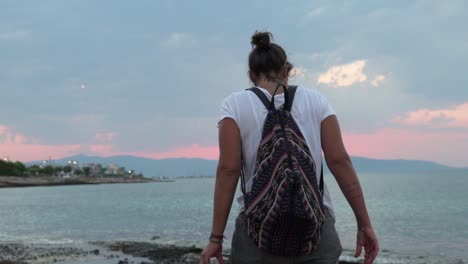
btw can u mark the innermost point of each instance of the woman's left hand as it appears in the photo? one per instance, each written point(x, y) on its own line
point(212, 250)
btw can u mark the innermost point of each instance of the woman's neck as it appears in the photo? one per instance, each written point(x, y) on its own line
point(270, 86)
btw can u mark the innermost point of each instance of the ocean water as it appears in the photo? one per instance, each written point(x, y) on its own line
point(419, 217)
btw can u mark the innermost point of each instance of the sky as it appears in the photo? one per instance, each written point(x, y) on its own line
point(147, 78)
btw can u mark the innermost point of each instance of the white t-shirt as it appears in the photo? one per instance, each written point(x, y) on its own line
point(309, 109)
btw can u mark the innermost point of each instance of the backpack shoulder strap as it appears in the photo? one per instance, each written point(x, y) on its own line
point(291, 91)
point(322, 190)
point(288, 105)
point(261, 96)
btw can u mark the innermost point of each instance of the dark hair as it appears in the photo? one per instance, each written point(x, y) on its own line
point(267, 58)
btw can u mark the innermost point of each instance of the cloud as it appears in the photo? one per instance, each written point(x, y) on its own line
point(101, 149)
point(7, 136)
point(105, 136)
point(178, 39)
point(14, 35)
point(33, 152)
point(104, 147)
point(17, 146)
point(298, 72)
point(454, 117)
point(344, 75)
point(193, 151)
point(378, 80)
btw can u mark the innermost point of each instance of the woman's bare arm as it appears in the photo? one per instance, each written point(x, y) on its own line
point(342, 169)
point(227, 174)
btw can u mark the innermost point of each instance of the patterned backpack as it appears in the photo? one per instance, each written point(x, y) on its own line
point(284, 208)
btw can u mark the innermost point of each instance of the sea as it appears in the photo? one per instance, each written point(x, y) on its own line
point(418, 217)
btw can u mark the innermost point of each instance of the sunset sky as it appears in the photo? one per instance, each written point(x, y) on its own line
point(147, 78)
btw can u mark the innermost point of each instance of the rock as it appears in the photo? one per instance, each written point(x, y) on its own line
point(125, 261)
point(157, 252)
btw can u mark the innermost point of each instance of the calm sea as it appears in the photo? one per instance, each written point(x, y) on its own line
point(419, 217)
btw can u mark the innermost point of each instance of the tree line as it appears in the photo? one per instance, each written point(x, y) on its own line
point(18, 169)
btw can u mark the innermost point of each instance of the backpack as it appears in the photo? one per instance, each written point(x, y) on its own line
point(284, 208)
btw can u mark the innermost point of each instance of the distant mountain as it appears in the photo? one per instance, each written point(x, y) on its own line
point(201, 167)
point(399, 165)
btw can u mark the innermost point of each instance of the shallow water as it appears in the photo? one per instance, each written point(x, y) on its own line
point(420, 216)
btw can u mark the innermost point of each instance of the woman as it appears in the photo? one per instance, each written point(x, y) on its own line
point(240, 131)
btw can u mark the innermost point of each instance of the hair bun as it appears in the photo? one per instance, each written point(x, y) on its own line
point(261, 39)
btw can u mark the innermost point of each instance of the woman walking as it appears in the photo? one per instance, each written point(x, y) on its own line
point(272, 136)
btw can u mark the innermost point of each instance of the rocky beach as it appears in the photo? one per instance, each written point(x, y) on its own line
point(121, 252)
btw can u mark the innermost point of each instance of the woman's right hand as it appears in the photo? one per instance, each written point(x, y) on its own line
point(212, 250)
point(366, 238)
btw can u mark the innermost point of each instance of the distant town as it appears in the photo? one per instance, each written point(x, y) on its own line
point(72, 169)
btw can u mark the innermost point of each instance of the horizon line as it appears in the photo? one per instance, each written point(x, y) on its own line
point(208, 159)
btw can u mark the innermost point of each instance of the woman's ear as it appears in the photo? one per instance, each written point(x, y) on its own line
point(285, 72)
point(288, 68)
point(252, 77)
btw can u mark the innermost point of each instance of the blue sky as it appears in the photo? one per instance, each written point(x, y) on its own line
point(147, 78)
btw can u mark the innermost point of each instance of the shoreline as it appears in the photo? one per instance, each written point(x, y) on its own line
point(152, 252)
point(104, 252)
point(36, 181)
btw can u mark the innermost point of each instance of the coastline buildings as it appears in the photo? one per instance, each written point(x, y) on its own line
point(113, 169)
point(71, 168)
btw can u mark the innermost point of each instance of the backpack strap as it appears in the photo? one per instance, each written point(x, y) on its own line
point(292, 92)
point(242, 176)
point(288, 93)
point(321, 181)
point(261, 96)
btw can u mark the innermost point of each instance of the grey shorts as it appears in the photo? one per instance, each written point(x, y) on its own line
point(244, 251)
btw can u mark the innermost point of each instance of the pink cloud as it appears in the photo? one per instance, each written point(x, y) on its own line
point(103, 149)
point(454, 117)
point(449, 148)
point(33, 152)
point(17, 146)
point(7, 136)
point(193, 151)
point(19, 139)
